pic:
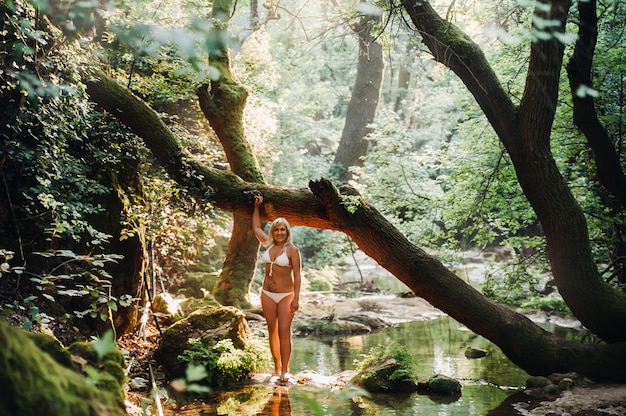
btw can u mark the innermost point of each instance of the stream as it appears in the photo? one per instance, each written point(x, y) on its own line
point(437, 346)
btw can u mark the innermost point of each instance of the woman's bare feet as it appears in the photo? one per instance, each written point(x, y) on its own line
point(284, 377)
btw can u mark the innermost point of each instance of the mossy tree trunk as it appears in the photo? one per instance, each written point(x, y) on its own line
point(525, 132)
point(322, 205)
point(223, 102)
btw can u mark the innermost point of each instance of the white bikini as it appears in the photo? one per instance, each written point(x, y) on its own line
point(280, 260)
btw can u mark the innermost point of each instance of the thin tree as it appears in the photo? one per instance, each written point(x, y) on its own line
point(364, 99)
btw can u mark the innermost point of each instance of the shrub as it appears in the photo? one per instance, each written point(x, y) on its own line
point(225, 363)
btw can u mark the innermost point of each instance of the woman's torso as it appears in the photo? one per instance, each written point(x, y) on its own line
point(277, 262)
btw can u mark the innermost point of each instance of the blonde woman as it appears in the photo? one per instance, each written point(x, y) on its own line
point(280, 293)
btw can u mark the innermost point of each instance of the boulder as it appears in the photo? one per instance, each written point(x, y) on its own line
point(372, 322)
point(34, 383)
point(548, 387)
point(167, 308)
point(328, 326)
point(440, 384)
point(473, 353)
point(384, 375)
point(209, 324)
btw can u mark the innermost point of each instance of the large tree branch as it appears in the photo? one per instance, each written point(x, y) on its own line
point(328, 207)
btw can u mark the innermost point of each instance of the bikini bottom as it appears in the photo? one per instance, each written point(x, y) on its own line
point(276, 297)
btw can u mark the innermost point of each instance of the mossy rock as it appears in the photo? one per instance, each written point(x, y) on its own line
point(190, 305)
point(372, 322)
point(34, 383)
point(210, 324)
point(198, 284)
point(167, 308)
point(440, 384)
point(384, 375)
point(546, 387)
point(326, 326)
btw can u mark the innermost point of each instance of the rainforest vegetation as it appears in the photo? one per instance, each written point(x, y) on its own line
point(133, 132)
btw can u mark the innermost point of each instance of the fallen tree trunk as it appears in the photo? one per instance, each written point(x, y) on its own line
point(322, 205)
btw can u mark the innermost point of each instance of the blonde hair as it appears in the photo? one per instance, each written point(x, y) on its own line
point(275, 223)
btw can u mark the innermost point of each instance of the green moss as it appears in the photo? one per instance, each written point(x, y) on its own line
point(382, 371)
point(109, 374)
point(87, 351)
point(319, 327)
point(193, 304)
point(443, 385)
point(33, 383)
point(198, 280)
point(53, 347)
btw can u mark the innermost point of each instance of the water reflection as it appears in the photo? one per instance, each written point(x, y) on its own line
point(436, 346)
point(278, 404)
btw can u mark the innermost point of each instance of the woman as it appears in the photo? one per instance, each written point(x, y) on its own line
point(280, 293)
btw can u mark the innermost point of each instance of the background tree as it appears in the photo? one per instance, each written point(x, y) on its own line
point(365, 95)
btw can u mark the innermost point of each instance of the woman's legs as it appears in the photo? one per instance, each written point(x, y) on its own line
point(270, 311)
point(279, 318)
point(285, 317)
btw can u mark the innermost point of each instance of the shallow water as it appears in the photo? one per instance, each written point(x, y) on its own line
point(437, 347)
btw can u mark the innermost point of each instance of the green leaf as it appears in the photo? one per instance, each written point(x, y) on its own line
point(196, 373)
point(105, 344)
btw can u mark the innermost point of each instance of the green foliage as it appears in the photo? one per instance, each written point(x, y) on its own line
point(546, 303)
point(78, 283)
point(509, 290)
point(434, 167)
point(223, 362)
point(320, 248)
point(105, 345)
point(194, 374)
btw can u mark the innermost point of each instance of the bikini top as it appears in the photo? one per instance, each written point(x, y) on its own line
point(280, 260)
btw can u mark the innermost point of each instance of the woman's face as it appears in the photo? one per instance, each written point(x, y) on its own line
point(280, 233)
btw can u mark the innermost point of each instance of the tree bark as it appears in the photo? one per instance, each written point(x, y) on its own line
point(325, 206)
point(223, 101)
point(363, 102)
point(579, 68)
point(525, 132)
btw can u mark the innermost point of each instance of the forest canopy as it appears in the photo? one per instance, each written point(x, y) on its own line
point(497, 127)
